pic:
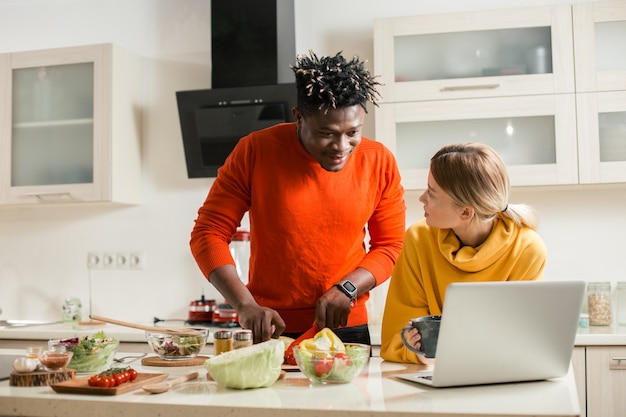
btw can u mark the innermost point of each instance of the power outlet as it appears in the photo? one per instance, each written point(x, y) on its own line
point(108, 260)
point(136, 260)
point(94, 260)
point(116, 260)
point(122, 260)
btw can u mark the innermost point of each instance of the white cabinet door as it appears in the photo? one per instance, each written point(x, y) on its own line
point(579, 364)
point(532, 134)
point(602, 137)
point(606, 379)
point(599, 34)
point(478, 54)
point(70, 126)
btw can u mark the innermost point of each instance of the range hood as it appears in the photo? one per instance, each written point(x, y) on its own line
point(252, 46)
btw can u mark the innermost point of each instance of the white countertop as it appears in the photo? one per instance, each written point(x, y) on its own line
point(593, 335)
point(376, 392)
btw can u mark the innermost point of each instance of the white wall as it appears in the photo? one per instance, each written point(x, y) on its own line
point(43, 250)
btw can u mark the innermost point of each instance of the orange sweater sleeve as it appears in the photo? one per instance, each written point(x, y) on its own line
point(307, 225)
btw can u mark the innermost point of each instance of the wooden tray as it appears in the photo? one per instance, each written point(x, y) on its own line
point(157, 361)
point(81, 385)
point(40, 378)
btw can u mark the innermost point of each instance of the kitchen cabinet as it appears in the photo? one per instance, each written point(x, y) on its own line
point(552, 122)
point(70, 126)
point(599, 33)
point(579, 368)
point(495, 53)
point(602, 136)
point(532, 134)
point(600, 373)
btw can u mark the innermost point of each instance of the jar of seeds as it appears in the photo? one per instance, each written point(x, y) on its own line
point(599, 303)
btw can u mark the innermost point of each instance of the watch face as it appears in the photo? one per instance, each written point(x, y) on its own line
point(349, 287)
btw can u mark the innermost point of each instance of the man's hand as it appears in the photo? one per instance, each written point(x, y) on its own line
point(332, 309)
point(264, 322)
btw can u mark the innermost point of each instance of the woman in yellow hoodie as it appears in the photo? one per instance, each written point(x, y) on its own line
point(469, 233)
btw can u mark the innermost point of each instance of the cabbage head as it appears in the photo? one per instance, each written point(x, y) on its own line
point(256, 366)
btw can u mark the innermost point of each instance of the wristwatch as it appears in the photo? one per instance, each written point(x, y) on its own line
point(347, 287)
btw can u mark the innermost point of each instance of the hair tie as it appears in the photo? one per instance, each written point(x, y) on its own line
point(505, 208)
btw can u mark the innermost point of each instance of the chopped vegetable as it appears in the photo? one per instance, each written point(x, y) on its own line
point(91, 354)
point(176, 346)
point(324, 358)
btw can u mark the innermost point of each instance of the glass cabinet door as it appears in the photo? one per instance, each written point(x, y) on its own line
point(479, 54)
point(70, 126)
point(530, 133)
point(52, 125)
point(602, 137)
point(599, 33)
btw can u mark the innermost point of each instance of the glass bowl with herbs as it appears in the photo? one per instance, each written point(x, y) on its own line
point(178, 345)
point(90, 354)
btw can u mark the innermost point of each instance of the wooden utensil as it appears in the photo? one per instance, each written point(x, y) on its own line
point(165, 386)
point(178, 331)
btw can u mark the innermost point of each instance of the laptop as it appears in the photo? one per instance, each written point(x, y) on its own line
point(500, 332)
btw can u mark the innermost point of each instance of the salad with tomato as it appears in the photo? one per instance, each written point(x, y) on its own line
point(326, 359)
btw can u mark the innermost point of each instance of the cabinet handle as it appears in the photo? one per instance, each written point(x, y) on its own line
point(618, 363)
point(50, 195)
point(471, 87)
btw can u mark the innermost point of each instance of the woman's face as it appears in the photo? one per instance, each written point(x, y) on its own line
point(331, 137)
point(439, 209)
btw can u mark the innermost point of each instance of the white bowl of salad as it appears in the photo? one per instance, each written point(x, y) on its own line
point(91, 354)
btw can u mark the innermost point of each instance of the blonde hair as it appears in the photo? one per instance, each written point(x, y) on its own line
point(473, 174)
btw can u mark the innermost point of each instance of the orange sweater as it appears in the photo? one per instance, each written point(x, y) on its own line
point(307, 225)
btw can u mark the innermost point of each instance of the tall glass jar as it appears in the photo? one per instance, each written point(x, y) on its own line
point(620, 301)
point(599, 303)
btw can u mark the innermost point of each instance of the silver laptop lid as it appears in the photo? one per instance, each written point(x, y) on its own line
point(494, 332)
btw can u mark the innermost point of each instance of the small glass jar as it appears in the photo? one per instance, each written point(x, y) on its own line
point(599, 303)
point(242, 339)
point(222, 341)
point(620, 301)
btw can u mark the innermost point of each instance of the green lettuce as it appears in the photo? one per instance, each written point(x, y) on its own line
point(256, 366)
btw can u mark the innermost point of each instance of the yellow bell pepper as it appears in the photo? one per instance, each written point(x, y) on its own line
point(324, 340)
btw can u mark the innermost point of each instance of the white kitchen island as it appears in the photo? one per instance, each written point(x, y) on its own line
point(376, 392)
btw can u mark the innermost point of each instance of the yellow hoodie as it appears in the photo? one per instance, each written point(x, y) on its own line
point(432, 258)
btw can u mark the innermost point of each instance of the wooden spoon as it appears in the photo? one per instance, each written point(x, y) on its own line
point(160, 387)
point(178, 331)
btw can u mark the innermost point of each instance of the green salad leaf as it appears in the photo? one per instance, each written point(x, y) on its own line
point(91, 354)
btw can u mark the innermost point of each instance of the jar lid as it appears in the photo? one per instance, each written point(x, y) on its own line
point(223, 334)
point(243, 335)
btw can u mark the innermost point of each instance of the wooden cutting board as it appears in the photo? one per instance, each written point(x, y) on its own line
point(157, 361)
point(81, 385)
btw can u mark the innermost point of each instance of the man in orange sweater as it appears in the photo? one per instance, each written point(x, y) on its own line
point(311, 188)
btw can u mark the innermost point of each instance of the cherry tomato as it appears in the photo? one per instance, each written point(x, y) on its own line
point(119, 379)
point(132, 374)
point(323, 366)
point(93, 381)
point(102, 382)
point(342, 356)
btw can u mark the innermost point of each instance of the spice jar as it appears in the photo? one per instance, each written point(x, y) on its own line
point(599, 303)
point(242, 339)
point(620, 300)
point(222, 341)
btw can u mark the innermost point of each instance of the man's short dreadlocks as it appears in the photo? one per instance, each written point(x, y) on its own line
point(332, 82)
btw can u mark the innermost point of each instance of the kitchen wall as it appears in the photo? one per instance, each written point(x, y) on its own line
point(43, 250)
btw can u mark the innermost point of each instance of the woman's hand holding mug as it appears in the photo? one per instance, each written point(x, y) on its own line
point(428, 328)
